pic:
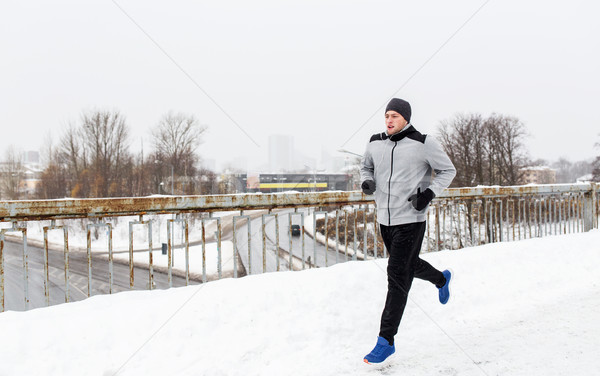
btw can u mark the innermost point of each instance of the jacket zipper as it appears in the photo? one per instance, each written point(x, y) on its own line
point(390, 184)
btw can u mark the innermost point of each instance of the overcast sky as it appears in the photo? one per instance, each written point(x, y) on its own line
point(317, 70)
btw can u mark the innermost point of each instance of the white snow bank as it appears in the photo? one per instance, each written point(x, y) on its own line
point(77, 229)
point(120, 241)
point(520, 308)
point(211, 261)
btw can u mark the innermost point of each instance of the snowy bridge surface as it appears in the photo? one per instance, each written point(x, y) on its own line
point(71, 249)
point(526, 308)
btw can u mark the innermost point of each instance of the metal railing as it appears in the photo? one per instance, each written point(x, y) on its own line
point(235, 235)
point(473, 216)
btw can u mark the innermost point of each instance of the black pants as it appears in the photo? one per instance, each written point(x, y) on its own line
point(403, 243)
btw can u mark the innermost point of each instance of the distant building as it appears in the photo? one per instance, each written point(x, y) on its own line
point(26, 174)
point(307, 182)
point(31, 178)
point(31, 174)
point(539, 175)
point(587, 178)
point(281, 153)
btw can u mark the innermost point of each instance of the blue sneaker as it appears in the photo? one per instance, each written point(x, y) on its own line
point(381, 351)
point(445, 290)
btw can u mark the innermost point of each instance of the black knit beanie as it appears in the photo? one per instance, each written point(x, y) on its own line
point(400, 106)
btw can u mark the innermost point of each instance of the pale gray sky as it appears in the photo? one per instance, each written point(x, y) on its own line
point(314, 69)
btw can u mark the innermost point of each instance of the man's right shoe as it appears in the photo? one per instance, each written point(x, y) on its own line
point(381, 352)
point(445, 290)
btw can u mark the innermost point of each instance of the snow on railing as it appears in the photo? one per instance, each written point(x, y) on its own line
point(54, 251)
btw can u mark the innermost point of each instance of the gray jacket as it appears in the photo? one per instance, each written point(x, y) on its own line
point(399, 164)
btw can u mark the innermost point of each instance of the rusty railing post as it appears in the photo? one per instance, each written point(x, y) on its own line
point(589, 209)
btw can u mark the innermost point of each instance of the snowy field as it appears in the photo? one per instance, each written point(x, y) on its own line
point(520, 308)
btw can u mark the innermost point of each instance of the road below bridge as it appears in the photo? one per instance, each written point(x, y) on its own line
point(14, 279)
point(270, 258)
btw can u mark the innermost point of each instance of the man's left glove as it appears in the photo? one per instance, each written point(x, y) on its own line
point(420, 200)
point(368, 187)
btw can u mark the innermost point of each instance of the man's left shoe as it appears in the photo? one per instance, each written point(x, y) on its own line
point(445, 290)
point(381, 352)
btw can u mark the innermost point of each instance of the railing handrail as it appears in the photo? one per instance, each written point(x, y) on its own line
point(517, 190)
point(120, 206)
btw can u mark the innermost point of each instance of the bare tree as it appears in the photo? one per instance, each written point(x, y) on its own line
point(176, 138)
point(484, 150)
point(207, 183)
point(507, 152)
point(569, 172)
point(140, 180)
point(96, 155)
point(52, 183)
point(104, 134)
point(596, 166)
point(93, 158)
point(11, 172)
point(462, 139)
point(54, 179)
point(563, 167)
point(72, 150)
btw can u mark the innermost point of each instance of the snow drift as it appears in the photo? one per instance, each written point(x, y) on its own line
point(520, 308)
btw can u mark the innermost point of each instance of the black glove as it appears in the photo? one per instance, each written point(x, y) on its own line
point(420, 200)
point(368, 187)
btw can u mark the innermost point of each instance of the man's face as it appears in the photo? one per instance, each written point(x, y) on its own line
point(394, 122)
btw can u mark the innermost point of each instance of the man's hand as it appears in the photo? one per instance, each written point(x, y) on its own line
point(420, 200)
point(368, 187)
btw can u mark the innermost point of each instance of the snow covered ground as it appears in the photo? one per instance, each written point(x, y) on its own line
point(120, 232)
point(120, 241)
point(520, 308)
point(211, 262)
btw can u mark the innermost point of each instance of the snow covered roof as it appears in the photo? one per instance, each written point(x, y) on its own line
point(585, 178)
